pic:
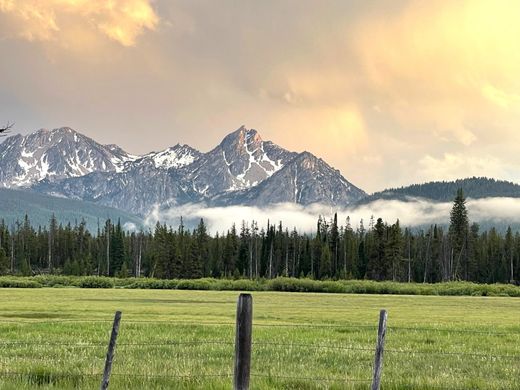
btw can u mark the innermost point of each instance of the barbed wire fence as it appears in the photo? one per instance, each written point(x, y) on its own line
point(240, 373)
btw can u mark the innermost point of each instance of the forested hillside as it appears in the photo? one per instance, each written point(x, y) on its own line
point(444, 191)
point(14, 204)
point(377, 251)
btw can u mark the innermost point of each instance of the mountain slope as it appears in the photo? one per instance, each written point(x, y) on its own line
point(14, 204)
point(305, 179)
point(135, 190)
point(54, 155)
point(444, 191)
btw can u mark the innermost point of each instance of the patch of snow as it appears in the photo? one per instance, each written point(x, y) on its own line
point(171, 158)
point(225, 159)
point(24, 153)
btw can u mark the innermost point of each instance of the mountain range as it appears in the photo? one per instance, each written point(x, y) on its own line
point(63, 165)
point(242, 169)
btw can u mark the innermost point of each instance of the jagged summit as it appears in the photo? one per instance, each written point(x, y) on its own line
point(241, 137)
point(242, 160)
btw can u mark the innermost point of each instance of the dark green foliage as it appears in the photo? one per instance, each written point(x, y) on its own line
point(95, 282)
point(325, 263)
point(15, 203)
point(25, 268)
point(444, 191)
point(4, 262)
point(16, 282)
point(458, 235)
point(336, 251)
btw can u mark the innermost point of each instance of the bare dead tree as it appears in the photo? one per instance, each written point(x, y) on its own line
point(4, 130)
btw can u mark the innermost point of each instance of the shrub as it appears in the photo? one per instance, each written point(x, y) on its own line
point(96, 282)
point(194, 284)
point(153, 284)
point(7, 282)
point(56, 280)
point(277, 284)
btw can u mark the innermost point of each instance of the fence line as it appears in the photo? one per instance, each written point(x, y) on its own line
point(243, 344)
point(471, 354)
point(314, 379)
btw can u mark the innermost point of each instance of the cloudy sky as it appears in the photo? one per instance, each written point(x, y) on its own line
point(389, 92)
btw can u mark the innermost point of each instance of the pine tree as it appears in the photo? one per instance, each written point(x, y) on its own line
point(377, 267)
point(25, 268)
point(393, 250)
point(4, 262)
point(334, 244)
point(123, 272)
point(458, 234)
point(325, 262)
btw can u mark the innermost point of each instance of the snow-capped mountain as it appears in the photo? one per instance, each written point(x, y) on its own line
point(242, 160)
point(242, 169)
point(54, 155)
point(176, 156)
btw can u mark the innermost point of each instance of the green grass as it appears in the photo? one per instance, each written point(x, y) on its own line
point(66, 333)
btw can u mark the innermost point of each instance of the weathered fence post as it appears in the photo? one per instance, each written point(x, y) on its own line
point(111, 351)
point(378, 361)
point(244, 330)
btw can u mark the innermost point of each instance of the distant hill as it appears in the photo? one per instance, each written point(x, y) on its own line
point(444, 191)
point(14, 204)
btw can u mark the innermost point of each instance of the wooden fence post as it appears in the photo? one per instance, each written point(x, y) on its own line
point(244, 330)
point(111, 351)
point(378, 361)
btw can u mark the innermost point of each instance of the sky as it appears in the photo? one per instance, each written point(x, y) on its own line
point(389, 92)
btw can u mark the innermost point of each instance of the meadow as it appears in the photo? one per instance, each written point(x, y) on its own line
point(56, 338)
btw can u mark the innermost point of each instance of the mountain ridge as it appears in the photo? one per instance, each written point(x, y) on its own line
point(227, 174)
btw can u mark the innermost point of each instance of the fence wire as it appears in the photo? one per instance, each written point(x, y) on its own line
point(270, 325)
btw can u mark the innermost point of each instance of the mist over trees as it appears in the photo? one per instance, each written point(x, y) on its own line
point(337, 250)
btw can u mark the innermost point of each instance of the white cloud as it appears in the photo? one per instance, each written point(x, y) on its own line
point(416, 212)
point(453, 166)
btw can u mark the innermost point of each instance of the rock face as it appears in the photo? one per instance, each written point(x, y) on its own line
point(305, 179)
point(242, 169)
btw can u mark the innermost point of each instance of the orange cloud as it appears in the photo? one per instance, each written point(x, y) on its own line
point(120, 20)
point(445, 66)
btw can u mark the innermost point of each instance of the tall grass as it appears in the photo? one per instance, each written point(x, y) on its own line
point(174, 339)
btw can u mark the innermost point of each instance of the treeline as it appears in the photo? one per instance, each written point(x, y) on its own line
point(378, 251)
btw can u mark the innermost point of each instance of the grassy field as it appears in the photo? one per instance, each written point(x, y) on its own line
point(57, 338)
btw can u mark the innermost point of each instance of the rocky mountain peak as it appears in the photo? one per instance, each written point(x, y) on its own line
point(241, 138)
